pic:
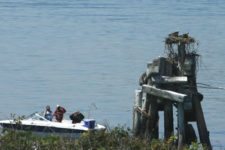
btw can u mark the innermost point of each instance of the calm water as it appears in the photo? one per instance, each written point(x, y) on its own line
point(88, 55)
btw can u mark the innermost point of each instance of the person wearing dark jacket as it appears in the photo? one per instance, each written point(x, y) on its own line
point(59, 112)
point(76, 117)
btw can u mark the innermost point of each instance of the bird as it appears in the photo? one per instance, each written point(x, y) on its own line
point(174, 34)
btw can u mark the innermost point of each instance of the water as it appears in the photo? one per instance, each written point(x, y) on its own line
point(88, 55)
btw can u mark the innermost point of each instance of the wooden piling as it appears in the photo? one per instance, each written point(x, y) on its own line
point(181, 126)
point(136, 113)
point(202, 129)
point(144, 114)
point(152, 129)
point(168, 120)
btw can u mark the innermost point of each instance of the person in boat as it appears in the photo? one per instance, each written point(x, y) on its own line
point(59, 112)
point(76, 117)
point(48, 113)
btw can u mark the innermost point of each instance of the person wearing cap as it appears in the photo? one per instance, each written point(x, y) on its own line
point(59, 112)
point(48, 113)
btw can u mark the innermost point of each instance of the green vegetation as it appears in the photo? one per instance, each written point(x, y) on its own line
point(118, 138)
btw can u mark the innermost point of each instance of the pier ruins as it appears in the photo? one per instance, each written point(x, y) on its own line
point(169, 85)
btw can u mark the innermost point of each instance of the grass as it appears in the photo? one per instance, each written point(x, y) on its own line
point(118, 138)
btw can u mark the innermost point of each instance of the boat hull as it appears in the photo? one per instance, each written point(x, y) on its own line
point(35, 128)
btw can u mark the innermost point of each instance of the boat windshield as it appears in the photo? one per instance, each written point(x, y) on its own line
point(36, 116)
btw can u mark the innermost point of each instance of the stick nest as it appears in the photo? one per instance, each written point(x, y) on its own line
point(175, 38)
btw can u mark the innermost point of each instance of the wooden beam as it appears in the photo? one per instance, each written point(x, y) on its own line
point(166, 94)
point(169, 80)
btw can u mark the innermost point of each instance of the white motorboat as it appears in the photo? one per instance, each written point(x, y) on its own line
point(38, 124)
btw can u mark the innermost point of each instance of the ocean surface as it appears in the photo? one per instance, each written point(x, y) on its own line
point(88, 55)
